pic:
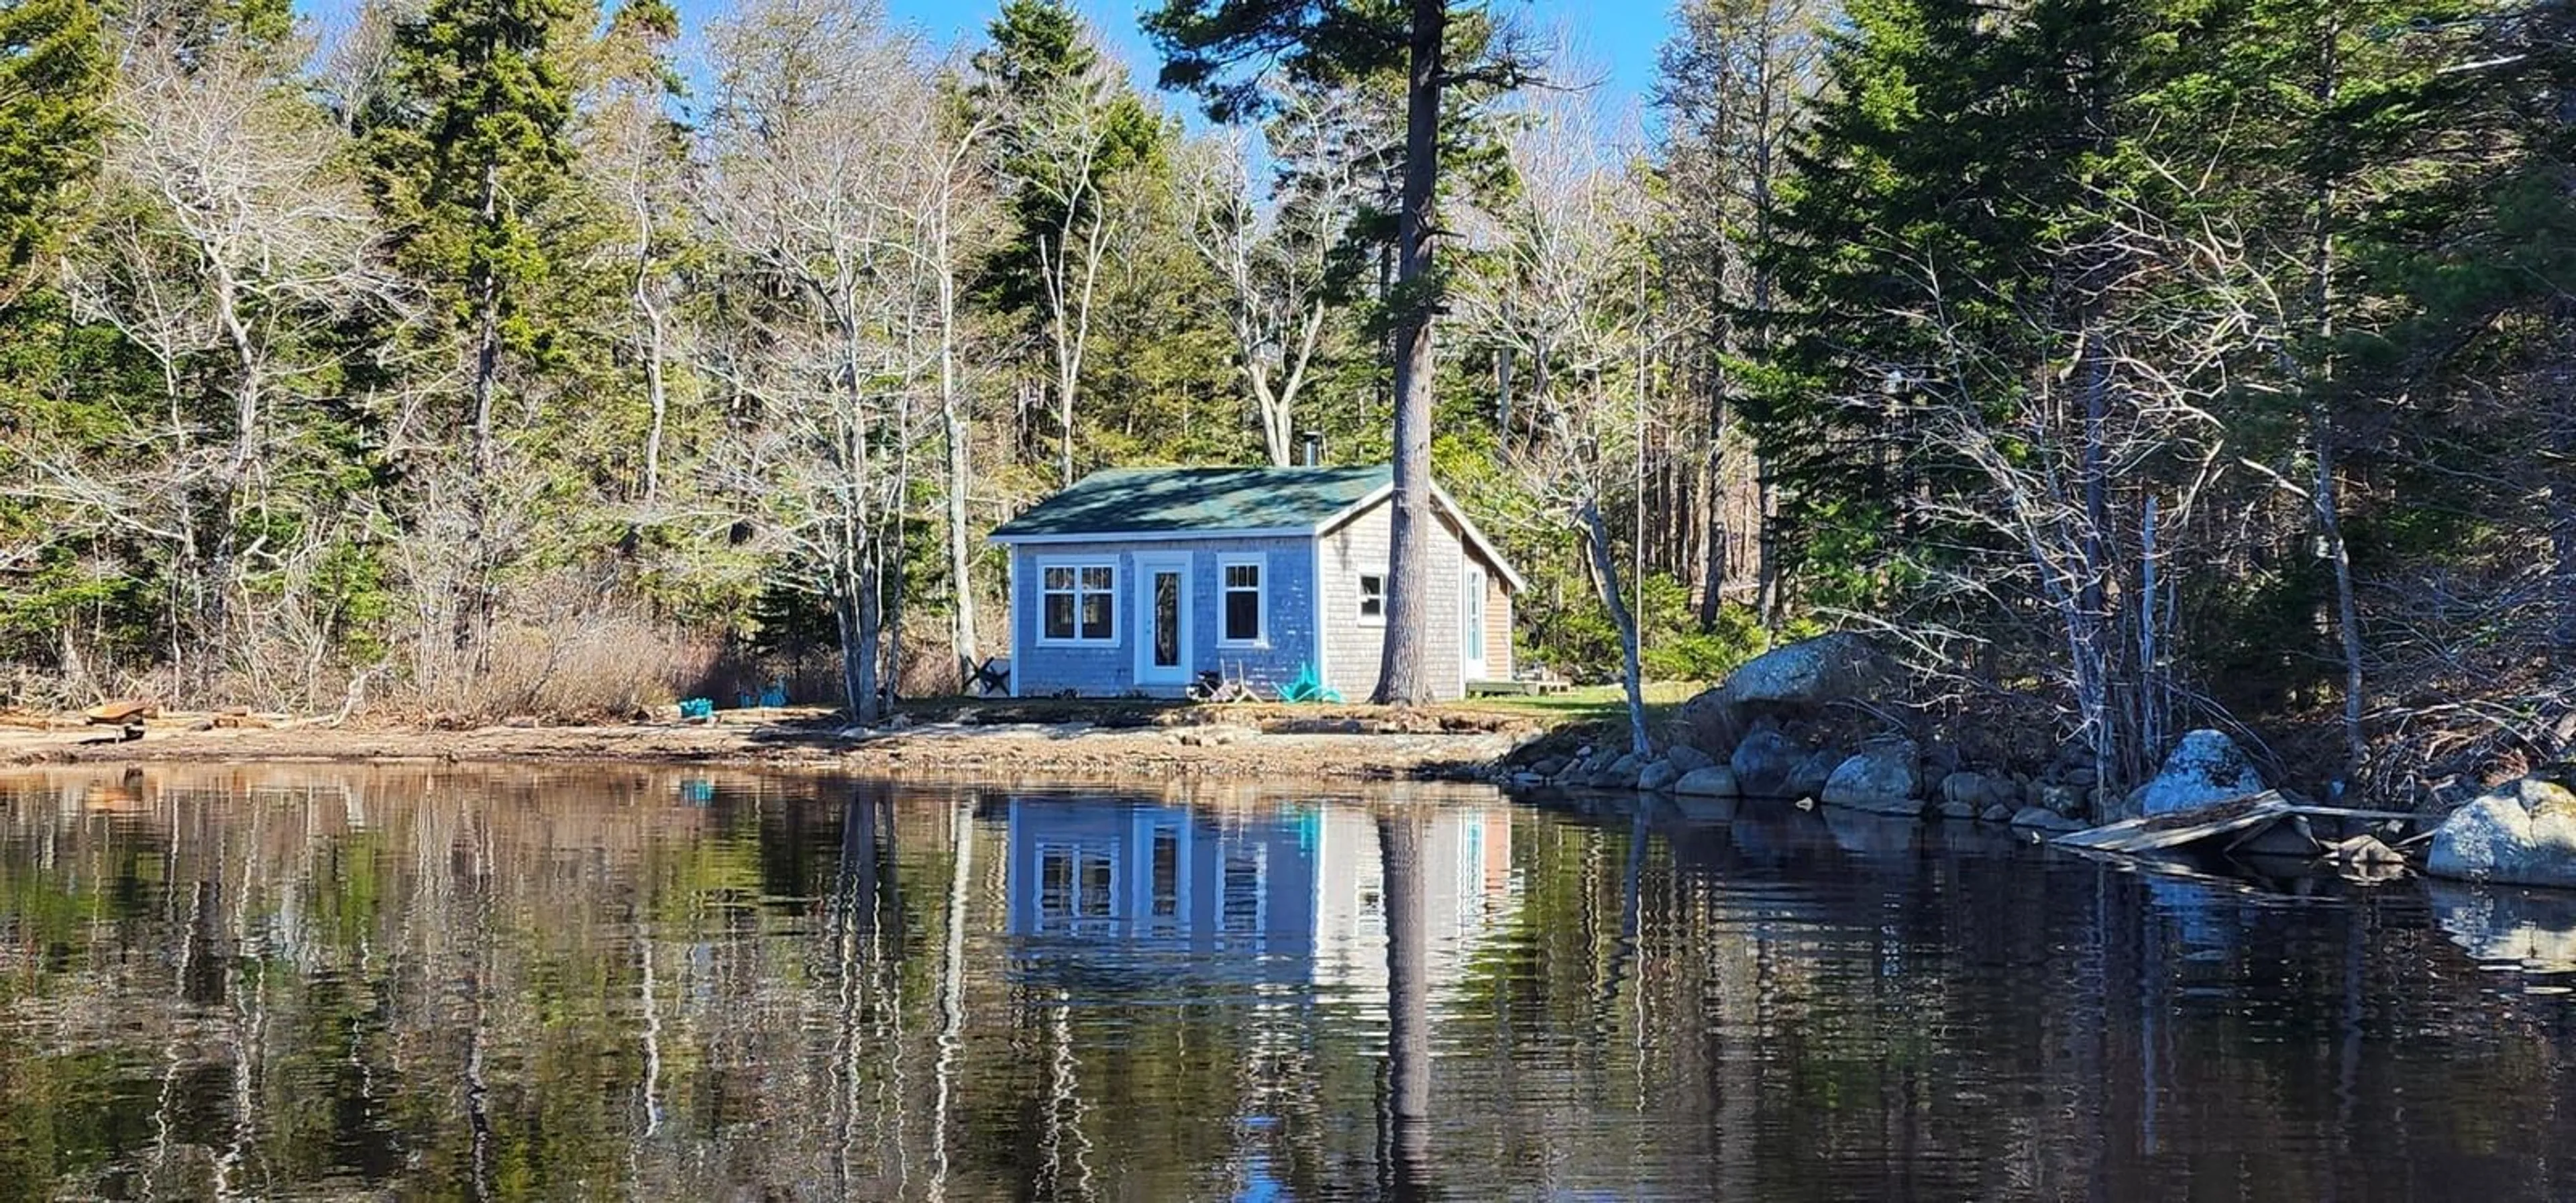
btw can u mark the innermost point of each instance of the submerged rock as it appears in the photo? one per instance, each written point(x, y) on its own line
point(2205, 767)
point(2524, 833)
point(1883, 778)
point(1715, 781)
point(2042, 819)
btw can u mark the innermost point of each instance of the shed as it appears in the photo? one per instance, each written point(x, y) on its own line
point(1139, 580)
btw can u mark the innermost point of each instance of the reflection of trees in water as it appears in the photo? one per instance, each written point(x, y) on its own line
point(1830, 1018)
point(514, 983)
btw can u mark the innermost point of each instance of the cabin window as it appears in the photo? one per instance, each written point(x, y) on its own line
point(1372, 599)
point(1076, 603)
point(1243, 599)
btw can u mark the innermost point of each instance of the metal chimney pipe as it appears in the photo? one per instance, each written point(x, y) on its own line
point(1312, 454)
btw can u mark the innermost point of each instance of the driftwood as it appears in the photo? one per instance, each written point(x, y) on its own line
point(2182, 827)
point(2238, 823)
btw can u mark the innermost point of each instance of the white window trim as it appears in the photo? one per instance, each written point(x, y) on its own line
point(1117, 626)
point(1359, 598)
point(1260, 600)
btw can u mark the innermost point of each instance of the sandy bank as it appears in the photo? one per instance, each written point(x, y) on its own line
point(1256, 747)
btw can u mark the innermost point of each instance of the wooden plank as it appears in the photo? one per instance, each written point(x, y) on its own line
point(116, 713)
point(2179, 828)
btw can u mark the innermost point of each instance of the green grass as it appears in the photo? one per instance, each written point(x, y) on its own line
point(1591, 704)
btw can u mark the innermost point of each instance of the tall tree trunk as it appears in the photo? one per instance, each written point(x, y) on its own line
point(1404, 676)
point(1766, 600)
point(656, 392)
point(961, 617)
point(487, 335)
point(1712, 567)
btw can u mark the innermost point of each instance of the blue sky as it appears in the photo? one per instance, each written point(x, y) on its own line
point(1619, 38)
point(1614, 41)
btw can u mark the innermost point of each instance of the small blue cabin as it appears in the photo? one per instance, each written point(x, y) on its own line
point(1137, 580)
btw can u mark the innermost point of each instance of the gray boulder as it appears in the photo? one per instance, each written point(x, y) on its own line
point(1659, 775)
point(1884, 778)
point(2205, 767)
point(2523, 834)
point(1549, 767)
point(1796, 679)
point(1810, 673)
point(1689, 759)
point(1764, 762)
point(1958, 812)
point(1997, 813)
point(1715, 781)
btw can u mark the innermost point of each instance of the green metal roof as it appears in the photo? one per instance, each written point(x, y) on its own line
point(1212, 500)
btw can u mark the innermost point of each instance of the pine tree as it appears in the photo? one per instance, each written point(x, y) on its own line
point(53, 67)
point(475, 167)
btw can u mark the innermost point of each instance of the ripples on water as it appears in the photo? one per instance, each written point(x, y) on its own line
point(282, 982)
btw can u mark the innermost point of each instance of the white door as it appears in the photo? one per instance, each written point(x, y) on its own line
point(1163, 620)
point(1471, 614)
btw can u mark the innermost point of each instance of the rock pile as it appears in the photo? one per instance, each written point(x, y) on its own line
point(1797, 723)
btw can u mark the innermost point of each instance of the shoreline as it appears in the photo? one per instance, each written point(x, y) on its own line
point(1338, 747)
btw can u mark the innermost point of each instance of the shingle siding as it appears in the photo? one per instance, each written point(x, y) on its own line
point(1352, 651)
point(1288, 643)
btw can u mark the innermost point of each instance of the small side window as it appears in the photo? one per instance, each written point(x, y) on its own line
point(1241, 585)
point(1372, 598)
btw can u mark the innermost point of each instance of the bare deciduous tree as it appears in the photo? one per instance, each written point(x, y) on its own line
point(817, 152)
point(1276, 267)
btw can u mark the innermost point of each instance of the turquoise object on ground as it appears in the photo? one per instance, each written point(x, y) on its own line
point(698, 708)
point(1309, 687)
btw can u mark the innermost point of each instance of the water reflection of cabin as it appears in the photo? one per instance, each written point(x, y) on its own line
point(1300, 889)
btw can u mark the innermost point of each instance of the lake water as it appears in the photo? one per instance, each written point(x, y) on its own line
point(293, 981)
